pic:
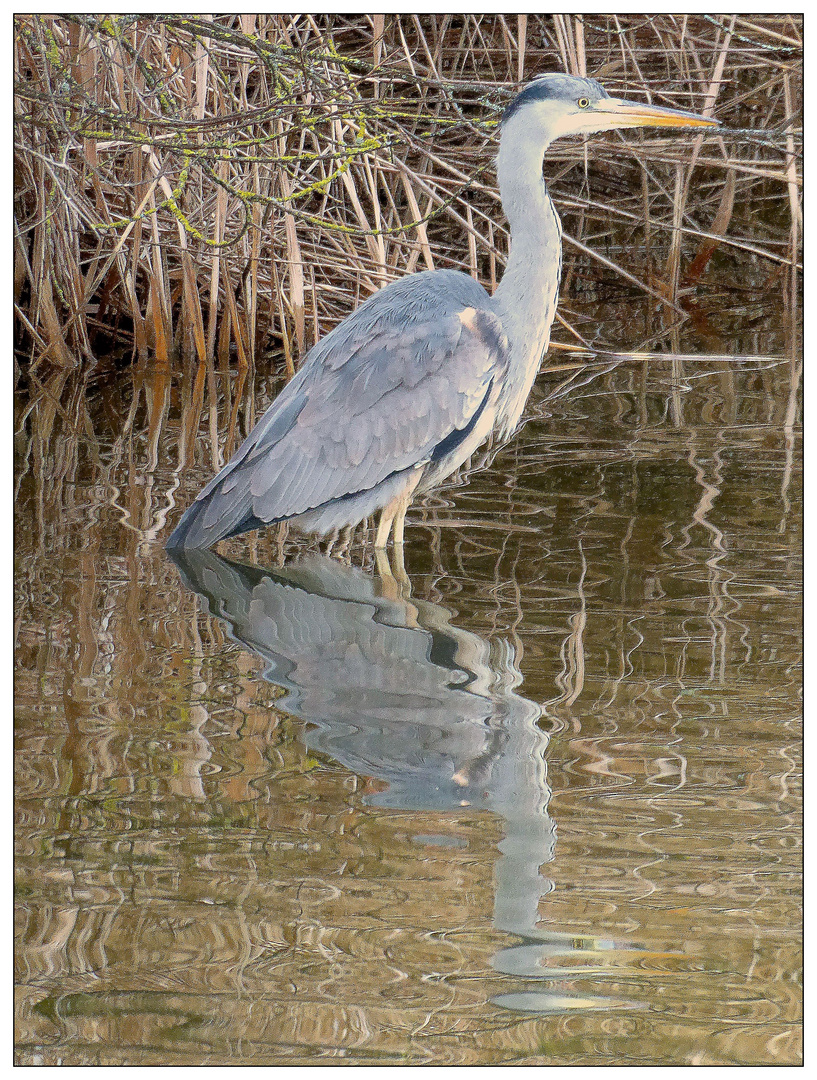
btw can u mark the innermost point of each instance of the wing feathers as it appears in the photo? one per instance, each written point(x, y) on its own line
point(375, 397)
point(359, 426)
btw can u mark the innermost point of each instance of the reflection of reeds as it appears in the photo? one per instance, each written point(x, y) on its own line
point(194, 187)
point(182, 854)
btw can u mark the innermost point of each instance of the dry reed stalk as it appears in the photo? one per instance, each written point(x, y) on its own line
point(253, 270)
point(521, 37)
point(379, 27)
point(791, 169)
point(278, 293)
point(720, 223)
point(216, 261)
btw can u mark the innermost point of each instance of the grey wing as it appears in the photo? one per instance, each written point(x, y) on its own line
point(373, 399)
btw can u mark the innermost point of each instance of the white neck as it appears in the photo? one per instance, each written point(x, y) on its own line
point(526, 297)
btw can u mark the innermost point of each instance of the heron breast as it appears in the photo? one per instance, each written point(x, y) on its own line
point(485, 326)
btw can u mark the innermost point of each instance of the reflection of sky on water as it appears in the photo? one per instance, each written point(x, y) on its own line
point(390, 689)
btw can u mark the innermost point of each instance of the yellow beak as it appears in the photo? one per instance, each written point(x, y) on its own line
point(635, 114)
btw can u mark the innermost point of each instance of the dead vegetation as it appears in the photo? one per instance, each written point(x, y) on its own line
point(197, 189)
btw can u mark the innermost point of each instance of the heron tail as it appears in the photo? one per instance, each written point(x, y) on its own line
point(215, 515)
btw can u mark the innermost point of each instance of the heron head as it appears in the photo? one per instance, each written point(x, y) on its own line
point(569, 105)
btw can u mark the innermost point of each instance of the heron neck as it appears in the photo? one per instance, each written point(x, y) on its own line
point(525, 298)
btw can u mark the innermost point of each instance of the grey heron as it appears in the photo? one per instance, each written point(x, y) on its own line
point(404, 390)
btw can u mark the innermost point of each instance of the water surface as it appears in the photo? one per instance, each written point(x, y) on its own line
point(538, 805)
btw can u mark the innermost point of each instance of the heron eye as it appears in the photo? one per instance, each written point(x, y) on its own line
point(583, 103)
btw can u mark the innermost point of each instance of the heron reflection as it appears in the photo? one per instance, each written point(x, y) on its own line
point(390, 689)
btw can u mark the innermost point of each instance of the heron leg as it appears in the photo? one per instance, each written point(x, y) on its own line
point(394, 513)
point(400, 523)
point(384, 526)
point(395, 584)
point(383, 565)
point(398, 561)
point(390, 587)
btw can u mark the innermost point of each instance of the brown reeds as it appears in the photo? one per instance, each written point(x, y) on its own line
point(195, 188)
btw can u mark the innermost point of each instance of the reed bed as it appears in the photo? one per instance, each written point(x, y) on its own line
point(193, 190)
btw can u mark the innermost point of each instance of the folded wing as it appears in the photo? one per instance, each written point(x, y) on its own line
point(376, 396)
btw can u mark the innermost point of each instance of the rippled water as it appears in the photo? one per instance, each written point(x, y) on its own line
point(538, 805)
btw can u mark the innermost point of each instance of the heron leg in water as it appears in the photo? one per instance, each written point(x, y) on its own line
point(395, 583)
point(399, 525)
point(387, 515)
point(394, 513)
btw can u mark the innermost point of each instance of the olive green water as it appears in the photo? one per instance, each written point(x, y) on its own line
point(272, 809)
